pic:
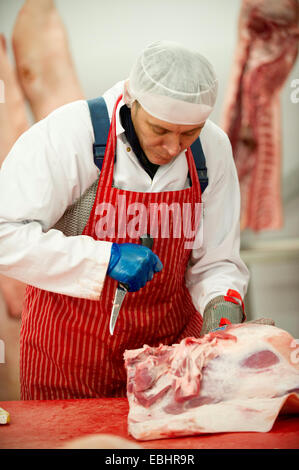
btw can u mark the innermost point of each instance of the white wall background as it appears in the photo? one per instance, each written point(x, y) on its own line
point(106, 36)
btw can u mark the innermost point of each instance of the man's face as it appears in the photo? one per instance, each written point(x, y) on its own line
point(160, 140)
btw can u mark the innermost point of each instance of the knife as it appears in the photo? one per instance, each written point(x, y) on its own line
point(122, 288)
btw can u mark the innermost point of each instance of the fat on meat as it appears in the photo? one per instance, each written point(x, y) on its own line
point(267, 47)
point(231, 380)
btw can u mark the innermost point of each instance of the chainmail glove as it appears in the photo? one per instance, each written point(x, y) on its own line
point(219, 308)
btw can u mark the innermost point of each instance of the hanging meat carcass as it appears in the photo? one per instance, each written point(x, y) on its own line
point(267, 49)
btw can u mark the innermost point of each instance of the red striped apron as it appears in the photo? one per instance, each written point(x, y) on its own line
point(66, 348)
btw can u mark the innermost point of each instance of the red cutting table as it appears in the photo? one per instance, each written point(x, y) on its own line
point(50, 424)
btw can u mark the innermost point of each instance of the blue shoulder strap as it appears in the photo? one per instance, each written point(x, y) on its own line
point(101, 123)
point(200, 163)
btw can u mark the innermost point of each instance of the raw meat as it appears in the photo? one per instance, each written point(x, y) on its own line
point(100, 441)
point(43, 57)
point(237, 379)
point(266, 51)
point(13, 120)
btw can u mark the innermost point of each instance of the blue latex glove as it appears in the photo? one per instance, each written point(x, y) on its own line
point(133, 264)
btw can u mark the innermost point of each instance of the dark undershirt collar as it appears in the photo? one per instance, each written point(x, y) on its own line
point(126, 121)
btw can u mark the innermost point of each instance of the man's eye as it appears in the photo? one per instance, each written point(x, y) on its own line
point(159, 131)
point(191, 133)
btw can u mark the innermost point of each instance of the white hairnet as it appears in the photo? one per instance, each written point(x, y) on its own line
point(173, 83)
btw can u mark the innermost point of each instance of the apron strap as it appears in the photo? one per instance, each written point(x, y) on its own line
point(101, 124)
point(200, 163)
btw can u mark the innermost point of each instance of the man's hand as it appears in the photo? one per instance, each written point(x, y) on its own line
point(219, 308)
point(133, 264)
point(13, 293)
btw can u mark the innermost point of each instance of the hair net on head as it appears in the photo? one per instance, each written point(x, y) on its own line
point(173, 83)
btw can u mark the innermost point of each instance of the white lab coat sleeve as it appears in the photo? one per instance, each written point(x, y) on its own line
point(215, 266)
point(47, 169)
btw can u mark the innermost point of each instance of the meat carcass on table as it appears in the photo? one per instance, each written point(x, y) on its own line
point(236, 379)
point(267, 49)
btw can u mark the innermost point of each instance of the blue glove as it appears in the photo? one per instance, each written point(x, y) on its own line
point(133, 264)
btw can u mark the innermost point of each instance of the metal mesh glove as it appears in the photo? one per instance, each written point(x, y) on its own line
point(219, 308)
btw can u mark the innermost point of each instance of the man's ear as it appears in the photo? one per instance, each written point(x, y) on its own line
point(127, 95)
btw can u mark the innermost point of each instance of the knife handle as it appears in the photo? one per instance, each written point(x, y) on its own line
point(147, 240)
point(123, 285)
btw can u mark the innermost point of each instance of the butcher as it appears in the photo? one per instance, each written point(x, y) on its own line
point(67, 227)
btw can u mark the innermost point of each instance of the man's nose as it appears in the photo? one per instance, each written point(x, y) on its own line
point(173, 145)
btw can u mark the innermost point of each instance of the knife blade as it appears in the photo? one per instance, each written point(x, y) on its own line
point(122, 289)
point(119, 296)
